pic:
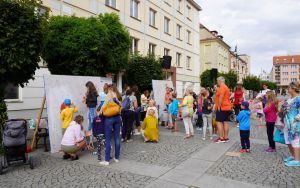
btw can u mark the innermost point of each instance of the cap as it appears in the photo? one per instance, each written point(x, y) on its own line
point(245, 104)
point(67, 101)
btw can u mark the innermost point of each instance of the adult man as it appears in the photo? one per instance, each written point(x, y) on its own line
point(263, 93)
point(223, 110)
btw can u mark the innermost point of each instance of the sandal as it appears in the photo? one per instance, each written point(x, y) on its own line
point(74, 158)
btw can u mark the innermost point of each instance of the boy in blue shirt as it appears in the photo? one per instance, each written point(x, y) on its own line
point(244, 120)
point(173, 111)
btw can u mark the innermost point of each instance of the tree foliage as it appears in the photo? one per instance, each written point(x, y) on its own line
point(21, 35)
point(252, 83)
point(86, 46)
point(206, 79)
point(142, 70)
point(271, 85)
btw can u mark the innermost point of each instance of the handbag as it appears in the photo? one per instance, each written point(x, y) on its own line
point(185, 111)
point(279, 136)
point(111, 109)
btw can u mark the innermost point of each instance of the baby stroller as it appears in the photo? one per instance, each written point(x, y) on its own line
point(14, 133)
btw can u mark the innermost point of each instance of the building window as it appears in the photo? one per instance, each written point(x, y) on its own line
point(179, 5)
point(166, 51)
point(111, 3)
point(178, 59)
point(294, 79)
point(152, 17)
point(188, 9)
point(188, 36)
point(293, 60)
point(151, 50)
point(134, 8)
point(284, 60)
point(277, 60)
point(167, 24)
point(178, 28)
point(188, 62)
point(11, 92)
point(67, 9)
point(134, 46)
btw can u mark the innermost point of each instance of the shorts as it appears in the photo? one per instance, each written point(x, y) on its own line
point(260, 115)
point(174, 118)
point(295, 143)
point(70, 149)
point(222, 116)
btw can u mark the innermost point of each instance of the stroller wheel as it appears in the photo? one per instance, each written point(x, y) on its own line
point(30, 161)
point(1, 168)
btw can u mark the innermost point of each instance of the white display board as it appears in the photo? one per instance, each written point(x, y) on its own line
point(57, 89)
point(159, 90)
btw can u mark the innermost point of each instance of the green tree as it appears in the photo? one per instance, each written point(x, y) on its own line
point(271, 85)
point(142, 70)
point(230, 79)
point(252, 83)
point(21, 36)
point(205, 79)
point(86, 46)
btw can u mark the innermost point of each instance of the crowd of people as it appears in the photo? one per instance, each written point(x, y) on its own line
point(112, 114)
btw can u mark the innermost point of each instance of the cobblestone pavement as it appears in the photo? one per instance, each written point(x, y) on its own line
point(54, 172)
point(258, 167)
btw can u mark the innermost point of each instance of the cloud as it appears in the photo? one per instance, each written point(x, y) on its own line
point(260, 28)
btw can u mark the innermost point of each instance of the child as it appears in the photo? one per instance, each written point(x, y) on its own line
point(66, 114)
point(150, 128)
point(207, 115)
point(270, 111)
point(90, 99)
point(152, 106)
point(244, 120)
point(98, 132)
point(173, 111)
point(259, 110)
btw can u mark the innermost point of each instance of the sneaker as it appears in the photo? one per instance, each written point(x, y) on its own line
point(270, 150)
point(137, 133)
point(198, 128)
point(226, 139)
point(248, 150)
point(116, 160)
point(243, 151)
point(237, 126)
point(219, 140)
point(104, 163)
point(290, 158)
point(203, 138)
point(130, 140)
point(211, 138)
point(293, 163)
point(123, 140)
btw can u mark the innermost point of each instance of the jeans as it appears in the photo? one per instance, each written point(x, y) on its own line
point(92, 115)
point(137, 117)
point(189, 129)
point(112, 126)
point(127, 118)
point(270, 132)
point(237, 109)
point(207, 122)
point(245, 142)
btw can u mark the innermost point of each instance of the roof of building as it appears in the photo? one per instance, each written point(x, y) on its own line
point(195, 5)
point(288, 59)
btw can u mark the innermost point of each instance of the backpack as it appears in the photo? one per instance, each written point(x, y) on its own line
point(98, 126)
point(126, 103)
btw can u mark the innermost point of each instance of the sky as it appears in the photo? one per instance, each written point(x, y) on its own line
point(259, 28)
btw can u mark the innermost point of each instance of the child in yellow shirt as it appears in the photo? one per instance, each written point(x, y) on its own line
point(66, 114)
point(150, 127)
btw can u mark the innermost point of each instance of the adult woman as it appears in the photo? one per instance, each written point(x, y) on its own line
point(188, 102)
point(292, 125)
point(136, 93)
point(73, 139)
point(90, 99)
point(112, 125)
point(128, 115)
point(238, 98)
point(144, 104)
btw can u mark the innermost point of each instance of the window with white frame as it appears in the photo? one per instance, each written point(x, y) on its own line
point(111, 3)
point(188, 63)
point(12, 92)
point(152, 17)
point(178, 59)
point(294, 66)
point(178, 5)
point(277, 60)
point(284, 60)
point(178, 30)
point(167, 25)
point(151, 49)
point(188, 36)
point(166, 51)
point(188, 10)
point(134, 46)
point(134, 4)
point(94, 6)
point(294, 79)
point(293, 60)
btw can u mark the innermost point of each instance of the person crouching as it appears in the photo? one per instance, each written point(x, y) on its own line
point(150, 128)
